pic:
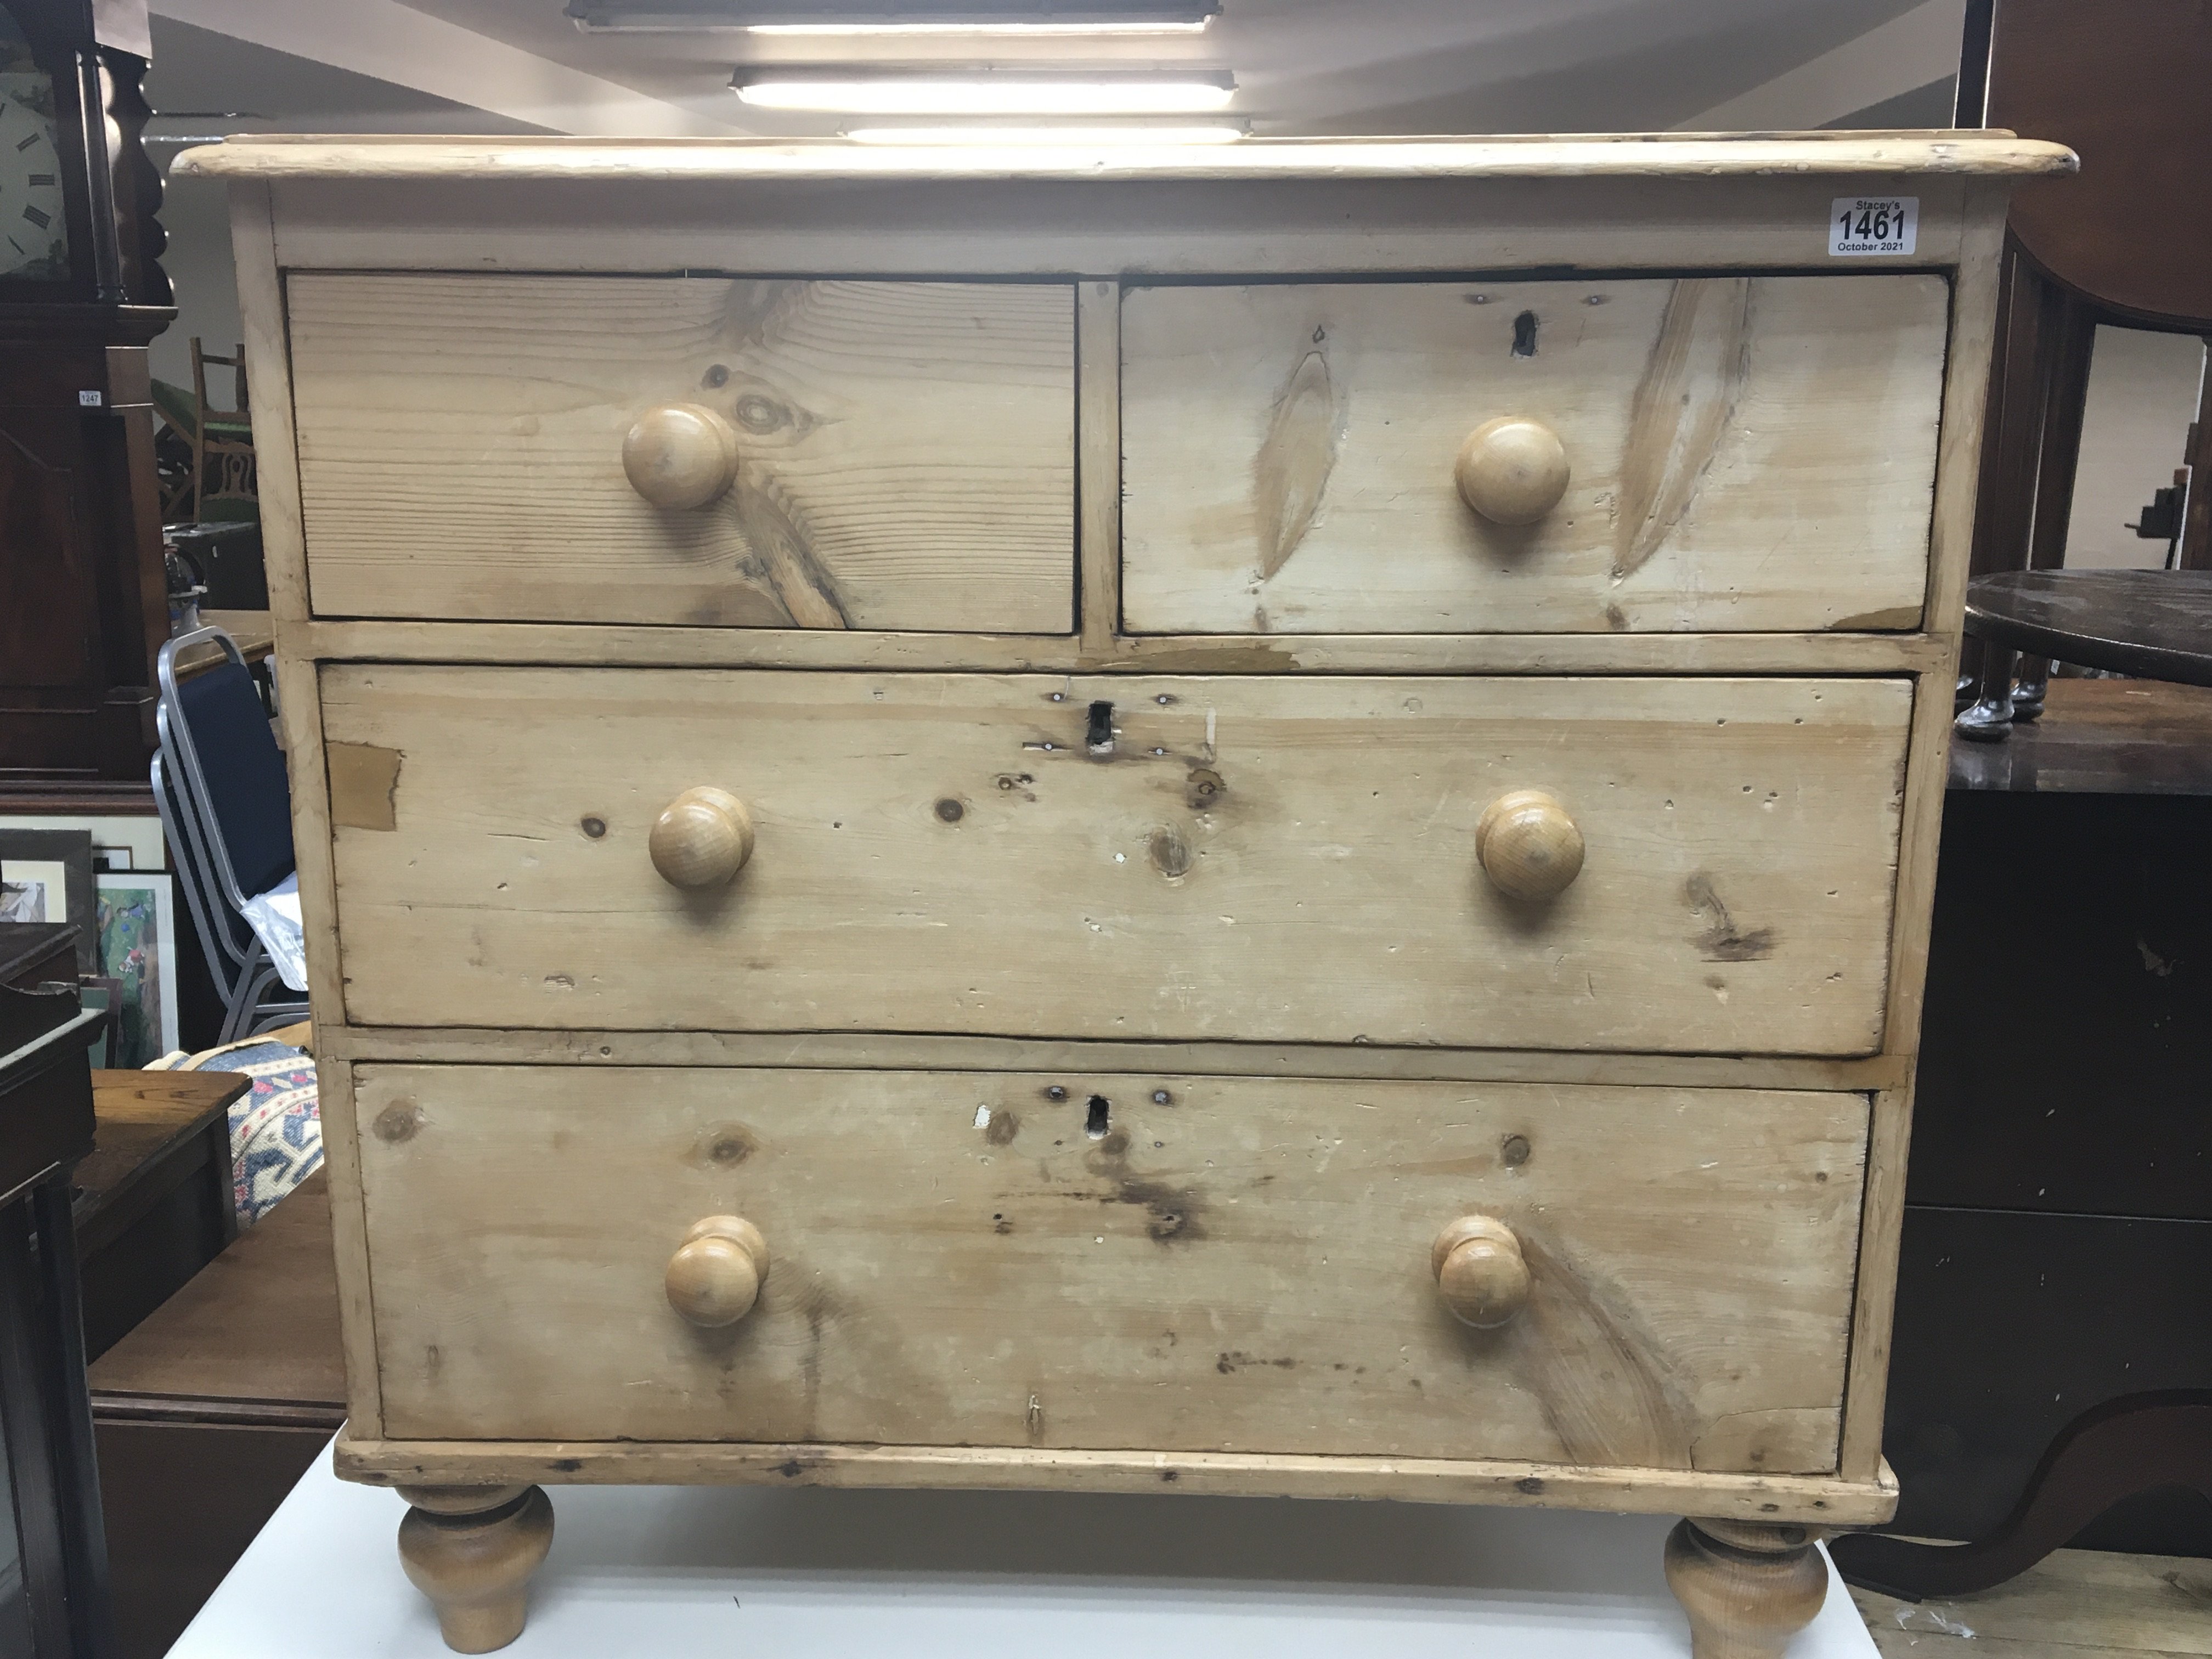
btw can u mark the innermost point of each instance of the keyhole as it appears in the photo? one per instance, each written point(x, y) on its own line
point(1524, 335)
point(1099, 739)
point(1098, 1120)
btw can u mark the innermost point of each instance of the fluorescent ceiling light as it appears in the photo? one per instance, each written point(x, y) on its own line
point(843, 17)
point(985, 93)
point(1061, 138)
point(1192, 26)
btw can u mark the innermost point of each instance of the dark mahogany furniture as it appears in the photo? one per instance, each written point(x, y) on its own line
point(83, 606)
point(2128, 241)
point(208, 1412)
point(53, 1561)
point(2051, 1377)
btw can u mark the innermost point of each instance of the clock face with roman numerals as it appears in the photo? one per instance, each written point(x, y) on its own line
point(33, 230)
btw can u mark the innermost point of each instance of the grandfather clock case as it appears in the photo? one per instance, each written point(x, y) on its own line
point(83, 607)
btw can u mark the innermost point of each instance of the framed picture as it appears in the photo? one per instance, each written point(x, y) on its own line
point(45, 875)
point(138, 950)
point(119, 841)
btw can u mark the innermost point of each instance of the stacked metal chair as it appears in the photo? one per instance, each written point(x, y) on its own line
point(219, 782)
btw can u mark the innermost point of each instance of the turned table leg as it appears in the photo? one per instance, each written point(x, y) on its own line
point(1748, 1586)
point(471, 1551)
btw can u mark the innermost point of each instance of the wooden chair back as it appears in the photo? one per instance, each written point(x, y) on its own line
point(231, 456)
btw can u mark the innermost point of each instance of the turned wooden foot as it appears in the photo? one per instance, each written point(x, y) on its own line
point(1748, 1587)
point(471, 1551)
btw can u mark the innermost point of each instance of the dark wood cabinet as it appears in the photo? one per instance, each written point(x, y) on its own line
point(83, 607)
point(54, 1557)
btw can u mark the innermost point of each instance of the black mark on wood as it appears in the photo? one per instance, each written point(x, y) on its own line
point(1230, 1362)
point(1171, 856)
point(1173, 1215)
point(1722, 941)
point(722, 1147)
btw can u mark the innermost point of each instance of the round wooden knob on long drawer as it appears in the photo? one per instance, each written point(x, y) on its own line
point(681, 455)
point(1512, 469)
point(715, 1277)
point(1527, 845)
point(702, 839)
point(1480, 1271)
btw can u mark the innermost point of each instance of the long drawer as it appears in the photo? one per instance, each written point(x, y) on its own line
point(1170, 1263)
point(819, 454)
point(1121, 857)
point(1709, 453)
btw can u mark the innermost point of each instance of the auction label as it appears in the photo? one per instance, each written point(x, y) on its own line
point(1859, 225)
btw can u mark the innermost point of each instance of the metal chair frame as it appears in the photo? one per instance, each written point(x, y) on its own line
point(242, 970)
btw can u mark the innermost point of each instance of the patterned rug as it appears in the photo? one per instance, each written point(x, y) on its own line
point(275, 1131)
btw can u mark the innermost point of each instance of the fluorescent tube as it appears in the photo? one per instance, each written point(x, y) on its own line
point(989, 93)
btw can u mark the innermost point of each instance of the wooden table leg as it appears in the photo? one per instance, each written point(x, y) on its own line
point(1748, 1586)
point(2125, 1446)
point(223, 1179)
point(471, 1551)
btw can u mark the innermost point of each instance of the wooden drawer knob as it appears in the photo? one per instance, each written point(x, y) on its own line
point(715, 1277)
point(681, 455)
point(1480, 1271)
point(702, 839)
point(1512, 469)
point(1527, 845)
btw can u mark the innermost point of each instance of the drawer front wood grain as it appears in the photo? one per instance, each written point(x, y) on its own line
point(1743, 454)
point(1175, 1263)
point(1120, 857)
point(904, 452)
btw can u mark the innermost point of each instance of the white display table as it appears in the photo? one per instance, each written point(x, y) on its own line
point(801, 1574)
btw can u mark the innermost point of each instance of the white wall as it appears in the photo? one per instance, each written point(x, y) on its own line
point(196, 215)
point(2143, 395)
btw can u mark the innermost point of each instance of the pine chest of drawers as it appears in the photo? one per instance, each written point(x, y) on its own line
point(1256, 822)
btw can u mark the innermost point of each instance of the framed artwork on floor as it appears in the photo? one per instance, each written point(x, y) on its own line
point(138, 950)
point(120, 840)
point(45, 875)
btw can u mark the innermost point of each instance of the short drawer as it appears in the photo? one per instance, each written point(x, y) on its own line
point(1122, 856)
point(824, 454)
point(1175, 1263)
point(1738, 454)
